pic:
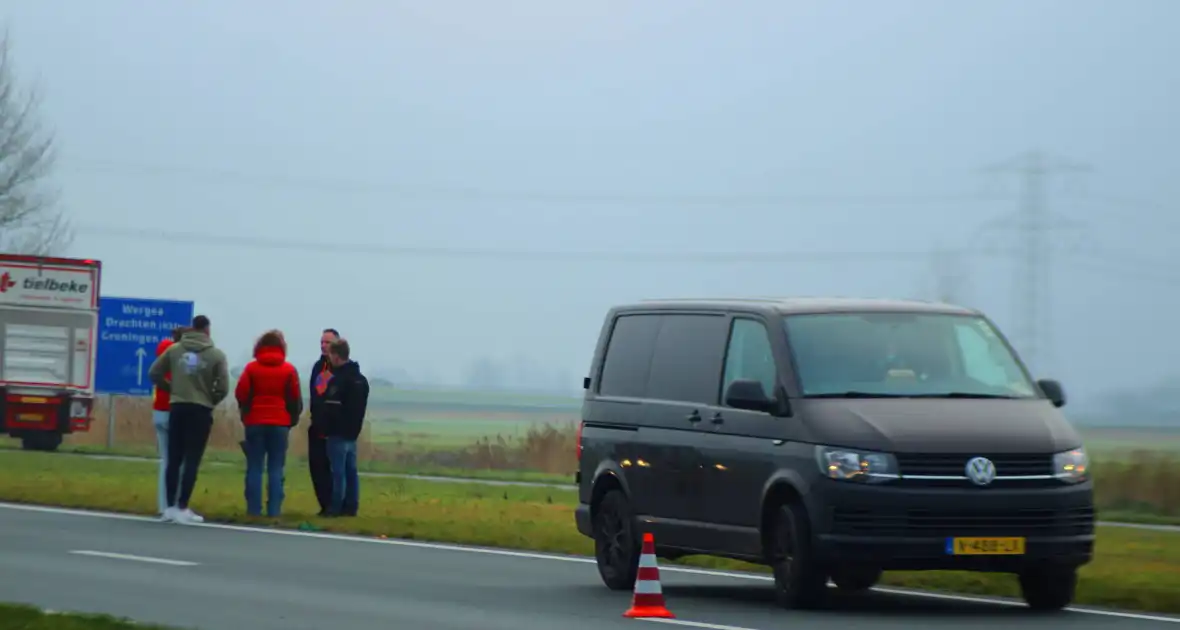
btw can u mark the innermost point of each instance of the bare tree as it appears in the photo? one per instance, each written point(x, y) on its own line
point(29, 221)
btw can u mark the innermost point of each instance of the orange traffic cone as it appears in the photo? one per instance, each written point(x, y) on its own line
point(648, 600)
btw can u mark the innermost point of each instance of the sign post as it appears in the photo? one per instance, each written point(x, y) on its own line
point(129, 330)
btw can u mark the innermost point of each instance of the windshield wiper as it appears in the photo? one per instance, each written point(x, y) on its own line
point(965, 395)
point(855, 394)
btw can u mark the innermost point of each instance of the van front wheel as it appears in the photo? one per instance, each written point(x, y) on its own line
point(856, 579)
point(799, 581)
point(616, 547)
point(1050, 587)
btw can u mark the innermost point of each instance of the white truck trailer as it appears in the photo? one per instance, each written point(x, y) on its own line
point(48, 341)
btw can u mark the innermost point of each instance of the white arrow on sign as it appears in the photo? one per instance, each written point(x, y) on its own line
point(140, 352)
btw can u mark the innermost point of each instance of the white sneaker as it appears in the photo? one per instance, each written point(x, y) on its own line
point(188, 516)
point(170, 515)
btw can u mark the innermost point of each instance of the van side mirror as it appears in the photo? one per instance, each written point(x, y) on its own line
point(747, 393)
point(1053, 391)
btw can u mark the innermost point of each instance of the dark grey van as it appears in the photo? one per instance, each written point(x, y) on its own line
point(831, 439)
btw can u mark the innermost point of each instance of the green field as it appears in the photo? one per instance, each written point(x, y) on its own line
point(449, 431)
point(1133, 569)
point(511, 437)
point(462, 399)
point(1107, 441)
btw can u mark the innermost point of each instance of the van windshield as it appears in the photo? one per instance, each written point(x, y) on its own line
point(883, 354)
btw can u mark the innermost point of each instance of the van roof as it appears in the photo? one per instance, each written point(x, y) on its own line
point(796, 305)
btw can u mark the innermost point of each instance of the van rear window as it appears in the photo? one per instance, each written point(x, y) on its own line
point(628, 356)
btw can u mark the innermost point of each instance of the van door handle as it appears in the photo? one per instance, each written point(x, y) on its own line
point(694, 417)
point(718, 418)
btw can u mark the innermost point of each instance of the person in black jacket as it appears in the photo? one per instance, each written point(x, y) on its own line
point(344, 405)
point(317, 443)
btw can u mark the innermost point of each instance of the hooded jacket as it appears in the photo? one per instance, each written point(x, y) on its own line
point(268, 390)
point(200, 375)
point(345, 402)
point(160, 399)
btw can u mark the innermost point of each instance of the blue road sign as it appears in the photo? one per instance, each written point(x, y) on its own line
point(129, 329)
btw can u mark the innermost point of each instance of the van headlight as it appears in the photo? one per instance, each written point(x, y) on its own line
point(860, 466)
point(1072, 466)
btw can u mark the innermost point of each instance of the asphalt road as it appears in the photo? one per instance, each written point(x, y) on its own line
point(220, 577)
point(490, 482)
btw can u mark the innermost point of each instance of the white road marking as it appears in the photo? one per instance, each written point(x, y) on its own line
point(124, 556)
point(545, 556)
point(692, 624)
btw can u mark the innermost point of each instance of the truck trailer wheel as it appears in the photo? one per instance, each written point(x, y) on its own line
point(40, 441)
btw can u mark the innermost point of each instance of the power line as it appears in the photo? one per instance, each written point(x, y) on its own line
point(204, 175)
point(1163, 212)
point(950, 263)
point(284, 244)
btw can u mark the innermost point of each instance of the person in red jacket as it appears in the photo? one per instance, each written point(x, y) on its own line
point(161, 405)
point(270, 402)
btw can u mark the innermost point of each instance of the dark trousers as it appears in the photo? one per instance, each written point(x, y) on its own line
point(317, 463)
point(188, 434)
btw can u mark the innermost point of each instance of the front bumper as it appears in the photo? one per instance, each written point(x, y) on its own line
point(908, 528)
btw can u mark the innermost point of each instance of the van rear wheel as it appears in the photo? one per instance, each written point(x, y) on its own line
point(1049, 588)
point(616, 545)
point(799, 580)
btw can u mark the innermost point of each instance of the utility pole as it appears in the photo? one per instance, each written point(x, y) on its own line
point(1034, 225)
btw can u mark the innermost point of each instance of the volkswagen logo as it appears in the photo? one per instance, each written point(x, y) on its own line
point(981, 471)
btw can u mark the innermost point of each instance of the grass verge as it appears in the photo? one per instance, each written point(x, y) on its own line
point(1118, 515)
point(234, 456)
point(17, 617)
point(1134, 569)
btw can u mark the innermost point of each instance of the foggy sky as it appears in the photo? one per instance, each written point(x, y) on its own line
point(608, 126)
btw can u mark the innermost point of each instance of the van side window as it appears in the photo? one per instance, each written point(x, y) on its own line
point(628, 356)
point(750, 355)
point(686, 364)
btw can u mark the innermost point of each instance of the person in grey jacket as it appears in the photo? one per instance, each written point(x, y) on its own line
point(200, 381)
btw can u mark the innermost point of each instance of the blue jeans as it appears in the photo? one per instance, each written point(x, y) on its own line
point(265, 445)
point(346, 489)
point(160, 422)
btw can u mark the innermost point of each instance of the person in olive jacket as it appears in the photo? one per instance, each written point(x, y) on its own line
point(344, 405)
point(199, 381)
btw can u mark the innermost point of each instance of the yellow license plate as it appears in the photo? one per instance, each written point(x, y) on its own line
point(34, 400)
point(29, 417)
point(985, 546)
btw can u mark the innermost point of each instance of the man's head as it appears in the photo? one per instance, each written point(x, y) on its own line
point(338, 352)
point(178, 332)
point(201, 324)
point(326, 338)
